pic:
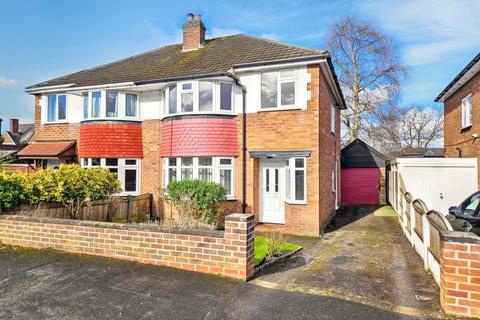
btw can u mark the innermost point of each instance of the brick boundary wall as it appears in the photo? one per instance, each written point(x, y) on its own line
point(460, 274)
point(228, 253)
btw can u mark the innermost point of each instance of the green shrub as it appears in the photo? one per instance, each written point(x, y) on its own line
point(274, 243)
point(140, 217)
point(12, 192)
point(197, 199)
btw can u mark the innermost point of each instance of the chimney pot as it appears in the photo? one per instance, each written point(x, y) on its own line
point(14, 125)
point(193, 32)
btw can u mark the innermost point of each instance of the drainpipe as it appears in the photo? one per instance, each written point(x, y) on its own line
point(244, 140)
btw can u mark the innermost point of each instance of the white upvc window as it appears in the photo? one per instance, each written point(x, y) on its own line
point(126, 170)
point(332, 119)
point(467, 111)
point(56, 107)
point(278, 89)
point(212, 169)
point(110, 104)
point(296, 180)
point(202, 96)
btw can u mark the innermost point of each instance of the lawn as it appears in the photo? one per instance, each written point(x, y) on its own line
point(261, 249)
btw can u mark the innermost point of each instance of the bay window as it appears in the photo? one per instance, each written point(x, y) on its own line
point(278, 89)
point(295, 176)
point(111, 104)
point(212, 169)
point(56, 107)
point(198, 96)
point(126, 170)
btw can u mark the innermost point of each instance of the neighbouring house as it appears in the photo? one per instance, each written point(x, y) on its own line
point(461, 100)
point(363, 174)
point(15, 139)
point(418, 153)
point(258, 116)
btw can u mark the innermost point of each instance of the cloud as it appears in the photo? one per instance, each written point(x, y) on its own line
point(6, 82)
point(430, 30)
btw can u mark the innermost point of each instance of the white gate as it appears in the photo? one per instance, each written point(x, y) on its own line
point(440, 182)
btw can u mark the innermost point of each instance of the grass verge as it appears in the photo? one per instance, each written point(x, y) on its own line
point(261, 249)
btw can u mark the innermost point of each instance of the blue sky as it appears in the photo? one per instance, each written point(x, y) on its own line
point(40, 40)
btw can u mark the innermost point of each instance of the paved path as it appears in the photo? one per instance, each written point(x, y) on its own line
point(49, 285)
point(364, 257)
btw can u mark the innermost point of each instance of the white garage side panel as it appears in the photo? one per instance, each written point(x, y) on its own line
point(440, 182)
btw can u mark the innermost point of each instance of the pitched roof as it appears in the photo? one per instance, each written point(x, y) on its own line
point(46, 149)
point(24, 134)
point(359, 154)
point(466, 74)
point(217, 55)
point(418, 153)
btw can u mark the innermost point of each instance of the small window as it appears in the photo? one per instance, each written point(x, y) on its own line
point(111, 107)
point(205, 96)
point(52, 108)
point(334, 185)
point(226, 180)
point(226, 96)
point(269, 90)
point(467, 111)
point(95, 162)
point(205, 168)
point(85, 105)
point(225, 161)
point(186, 98)
point(287, 92)
point(96, 97)
point(131, 105)
point(111, 162)
point(333, 122)
point(131, 162)
point(172, 99)
point(62, 107)
point(186, 168)
point(85, 162)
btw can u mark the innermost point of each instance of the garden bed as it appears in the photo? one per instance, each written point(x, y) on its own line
point(261, 252)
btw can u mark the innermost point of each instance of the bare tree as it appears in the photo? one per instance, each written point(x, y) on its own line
point(369, 70)
point(400, 129)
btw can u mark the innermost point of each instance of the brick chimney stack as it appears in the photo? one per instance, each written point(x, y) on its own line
point(193, 32)
point(14, 125)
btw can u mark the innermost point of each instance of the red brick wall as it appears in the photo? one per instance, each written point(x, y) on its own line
point(460, 278)
point(199, 137)
point(229, 255)
point(454, 136)
point(151, 163)
point(113, 140)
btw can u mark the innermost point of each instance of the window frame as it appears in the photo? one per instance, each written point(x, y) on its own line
point(195, 90)
point(281, 80)
point(216, 167)
point(290, 182)
point(120, 105)
point(121, 168)
point(57, 108)
point(137, 105)
point(465, 114)
point(117, 96)
point(333, 119)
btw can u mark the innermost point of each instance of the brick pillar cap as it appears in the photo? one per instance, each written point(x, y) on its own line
point(239, 217)
point(461, 237)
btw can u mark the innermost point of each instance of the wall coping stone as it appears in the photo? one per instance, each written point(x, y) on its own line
point(460, 237)
point(239, 217)
point(118, 226)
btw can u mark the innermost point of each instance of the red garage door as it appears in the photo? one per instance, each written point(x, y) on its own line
point(360, 185)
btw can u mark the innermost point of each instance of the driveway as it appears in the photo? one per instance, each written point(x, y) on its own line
point(363, 257)
point(49, 285)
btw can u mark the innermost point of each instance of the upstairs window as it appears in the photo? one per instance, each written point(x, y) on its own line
point(85, 105)
point(198, 96)
point(111, 104)
point(95, 104)
point(131, 105)
point(467, 111)
point(56, 107)
point(278, 89)
point(186, 97)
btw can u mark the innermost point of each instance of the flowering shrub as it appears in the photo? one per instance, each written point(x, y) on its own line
point(12, 192)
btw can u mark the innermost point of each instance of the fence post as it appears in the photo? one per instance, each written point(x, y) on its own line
point(426, 240)
point(150, 205)
point(129, 207)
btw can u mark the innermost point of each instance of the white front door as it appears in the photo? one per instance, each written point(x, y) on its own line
point(272, 190)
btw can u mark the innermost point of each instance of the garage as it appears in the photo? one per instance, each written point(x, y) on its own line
point(363, 174)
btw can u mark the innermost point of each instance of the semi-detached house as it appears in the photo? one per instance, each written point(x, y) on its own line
point(258, 116)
